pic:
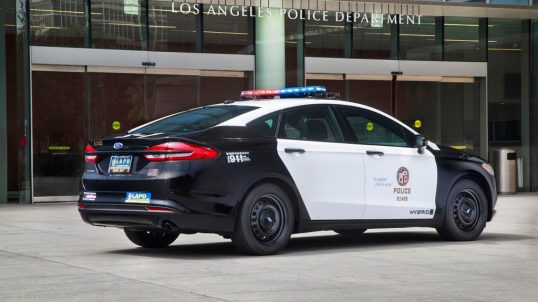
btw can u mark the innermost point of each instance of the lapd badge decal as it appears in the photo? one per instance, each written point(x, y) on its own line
point(402, 176)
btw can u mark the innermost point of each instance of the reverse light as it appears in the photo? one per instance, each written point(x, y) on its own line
point(89, 156)
point(292, 92)
point(175, 151)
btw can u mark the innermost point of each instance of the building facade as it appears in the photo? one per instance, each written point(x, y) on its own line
point(461, 72)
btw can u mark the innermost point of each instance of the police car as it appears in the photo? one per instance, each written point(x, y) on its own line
point(281, 162)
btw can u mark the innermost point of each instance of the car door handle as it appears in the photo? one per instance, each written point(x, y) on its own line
point(379, 153)
point(293, 150)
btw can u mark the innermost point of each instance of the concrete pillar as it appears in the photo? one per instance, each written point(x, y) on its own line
point(270, 50)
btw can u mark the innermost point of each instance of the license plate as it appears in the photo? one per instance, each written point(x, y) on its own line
point(120, 164)
point(138, 197)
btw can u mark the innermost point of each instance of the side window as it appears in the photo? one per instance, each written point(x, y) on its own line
point(373, 129)
point(312, 124)
point(266, 125)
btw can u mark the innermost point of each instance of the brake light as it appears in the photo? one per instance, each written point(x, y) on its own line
point(174, 151)
point(90, 158)
point(158, 209)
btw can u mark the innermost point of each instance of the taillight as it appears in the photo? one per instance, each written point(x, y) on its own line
point(90, 158)
point(158, 209)
point(174, 151)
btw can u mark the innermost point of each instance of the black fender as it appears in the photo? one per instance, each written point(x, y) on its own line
point(452, 170)
point(288, 185)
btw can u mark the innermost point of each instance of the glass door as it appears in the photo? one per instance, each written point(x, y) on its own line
point(444, 109)
point(75, 104)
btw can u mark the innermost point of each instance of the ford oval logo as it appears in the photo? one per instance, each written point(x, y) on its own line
point(118, 146)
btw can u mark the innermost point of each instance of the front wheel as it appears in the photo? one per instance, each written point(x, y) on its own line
point(151, 238)
point(465, 212)
point(264, 222)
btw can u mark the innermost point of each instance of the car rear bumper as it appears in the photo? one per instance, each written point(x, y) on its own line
point(160, 214)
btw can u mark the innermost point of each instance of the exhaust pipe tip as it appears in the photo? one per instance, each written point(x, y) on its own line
point(169, 226)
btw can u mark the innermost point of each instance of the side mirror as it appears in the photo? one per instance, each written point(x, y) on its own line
point(421, 142)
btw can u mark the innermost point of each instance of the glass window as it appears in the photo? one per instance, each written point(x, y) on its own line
point(118, 24)
point(115, 97)
point(373, 93)
point(57, 23)
point(462, 39)
point(171, 31)
point(169, 94)
point(505, 64)
point(473, 1)
point(196, 119)
point(371, 129)
point(312, 124)
point(325, 39)
point(227, 33)
point(417, 41)
point(533, 135)
point(512, 2)
point(447, 113)
point(219, 87)
point(267, 125)
point(294, 52)
point(372, 41)
point(60, 132)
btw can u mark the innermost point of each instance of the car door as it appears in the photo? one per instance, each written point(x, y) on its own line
point(399, 182)
point(327, 172)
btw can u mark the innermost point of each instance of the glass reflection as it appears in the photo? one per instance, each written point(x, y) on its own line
point(325, 39)
point(57, 23)
point(170, 31)
point(462, 39)
point(59, 132)
point(118, 24)
point(371, 41)
point(417, 42)
point(227, 34)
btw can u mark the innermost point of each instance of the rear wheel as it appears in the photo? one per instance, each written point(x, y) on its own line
point(466, 212)
point(351, 233)
point(151, 238)
point(264, 222)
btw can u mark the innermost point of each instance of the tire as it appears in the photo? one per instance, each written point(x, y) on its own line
point(465, 212)
point(351, 233)
point(264, 222)
point(151, 238)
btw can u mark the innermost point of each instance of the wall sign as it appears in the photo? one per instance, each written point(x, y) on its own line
point(374, 19)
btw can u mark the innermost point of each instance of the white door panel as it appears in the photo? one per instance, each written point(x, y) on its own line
point(329, 176)
point(400, 184)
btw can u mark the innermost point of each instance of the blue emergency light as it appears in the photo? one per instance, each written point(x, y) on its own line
point(291, 92)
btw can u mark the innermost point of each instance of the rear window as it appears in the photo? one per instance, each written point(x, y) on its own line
point(196, 119)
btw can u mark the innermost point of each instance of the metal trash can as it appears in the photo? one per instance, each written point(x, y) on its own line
point(504, 165)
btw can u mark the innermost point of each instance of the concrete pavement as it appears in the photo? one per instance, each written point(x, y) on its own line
point(48, 254)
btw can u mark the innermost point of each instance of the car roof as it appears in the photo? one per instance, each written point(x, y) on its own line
point(268, 106)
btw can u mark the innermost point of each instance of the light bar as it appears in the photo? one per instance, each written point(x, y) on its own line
point(292, 92)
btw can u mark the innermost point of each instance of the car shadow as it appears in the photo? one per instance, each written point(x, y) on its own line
point(305, 245)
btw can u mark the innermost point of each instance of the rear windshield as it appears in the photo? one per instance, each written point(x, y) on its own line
point(196, 119)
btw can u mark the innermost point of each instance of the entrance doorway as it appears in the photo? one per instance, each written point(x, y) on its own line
point(75, 104)
point(446, 109)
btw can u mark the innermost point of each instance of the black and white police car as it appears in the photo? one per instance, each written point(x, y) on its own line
point(281, 162)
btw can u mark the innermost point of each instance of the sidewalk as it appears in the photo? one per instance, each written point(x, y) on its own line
point(48, 254)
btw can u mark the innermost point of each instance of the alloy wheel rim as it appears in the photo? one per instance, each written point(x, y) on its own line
point(267, 219)
point(466, 211)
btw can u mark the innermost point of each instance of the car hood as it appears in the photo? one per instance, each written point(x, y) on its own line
point(451, 153)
